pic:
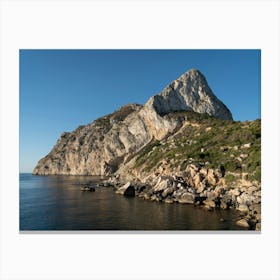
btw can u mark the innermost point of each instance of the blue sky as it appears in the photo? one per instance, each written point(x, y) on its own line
point(62, 89)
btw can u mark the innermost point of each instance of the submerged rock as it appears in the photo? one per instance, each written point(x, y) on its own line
point(88, 188)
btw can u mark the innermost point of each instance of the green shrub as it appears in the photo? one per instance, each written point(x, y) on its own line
point(230, 178)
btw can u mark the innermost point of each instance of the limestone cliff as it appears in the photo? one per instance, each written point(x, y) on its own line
point(101, 147)
point(190, 92)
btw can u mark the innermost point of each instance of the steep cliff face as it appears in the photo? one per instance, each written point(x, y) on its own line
point(190, 92)
point(101, 147)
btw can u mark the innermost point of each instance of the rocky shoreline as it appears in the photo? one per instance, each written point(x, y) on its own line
point(206, 188)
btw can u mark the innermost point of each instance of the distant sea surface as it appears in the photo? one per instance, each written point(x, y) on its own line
point(57, 203)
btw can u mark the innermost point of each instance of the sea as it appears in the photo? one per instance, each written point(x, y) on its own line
point(56, 203)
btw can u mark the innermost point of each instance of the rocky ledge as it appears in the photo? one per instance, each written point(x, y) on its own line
point(206, 188)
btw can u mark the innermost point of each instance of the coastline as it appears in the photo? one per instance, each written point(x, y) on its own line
point(203, 188)
point(56, 203)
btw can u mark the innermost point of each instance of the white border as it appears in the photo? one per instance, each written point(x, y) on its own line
point(134, 24)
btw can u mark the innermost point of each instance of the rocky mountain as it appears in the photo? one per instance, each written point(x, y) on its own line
point(182, 146)
point(111, 143)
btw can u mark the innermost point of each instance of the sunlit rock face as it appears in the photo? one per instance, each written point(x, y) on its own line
point(190, 92)
point(101, 147)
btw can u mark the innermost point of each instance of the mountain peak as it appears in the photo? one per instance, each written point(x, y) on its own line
point(190, 92)
point(192, 72)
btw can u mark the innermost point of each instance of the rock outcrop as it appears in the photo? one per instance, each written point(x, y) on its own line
point(101, 147)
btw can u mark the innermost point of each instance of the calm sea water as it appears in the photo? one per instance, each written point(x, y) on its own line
point(56, 203)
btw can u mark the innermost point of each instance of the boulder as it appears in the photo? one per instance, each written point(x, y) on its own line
point(179, 185)
point(192, 170)
point(154, 198)
point(221, 182)
point(223, 205)
point(240, 200)
point(162, 184)
point(211, 195)
point(177, 193)
point(248, 145)
point(187, 198)
point(209, 203)
point(242, 223)
point(168, 200)
point(235, 192)
point(200, 189)
point(147, 195)
point(167, 191)
point(203, 171)
point(243, 208)
point(258, 227)
point(211, 177)
point(246, 198)
point(197, 179)
point(126, 190)
point(140, 195)
point(251, 190)
point(218, 191)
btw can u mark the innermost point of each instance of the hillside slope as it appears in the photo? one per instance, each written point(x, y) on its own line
point(204, 141)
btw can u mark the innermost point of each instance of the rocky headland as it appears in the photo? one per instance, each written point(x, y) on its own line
point(182, 146)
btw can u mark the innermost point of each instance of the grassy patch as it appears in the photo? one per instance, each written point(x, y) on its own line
point(230, 178)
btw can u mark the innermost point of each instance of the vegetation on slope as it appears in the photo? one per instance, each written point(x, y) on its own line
point(210, 142)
